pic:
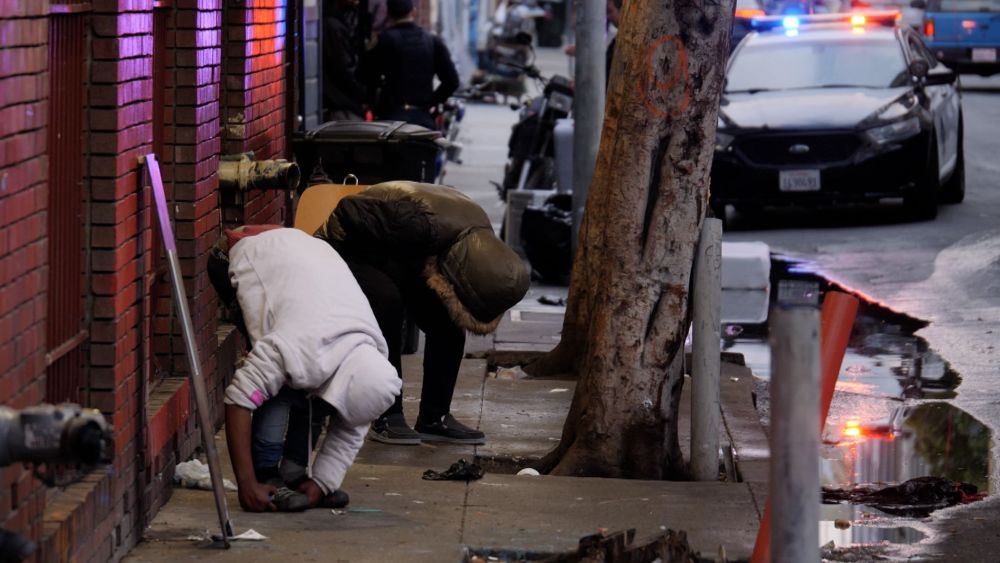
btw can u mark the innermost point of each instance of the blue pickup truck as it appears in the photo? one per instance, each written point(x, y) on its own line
point(963, 34)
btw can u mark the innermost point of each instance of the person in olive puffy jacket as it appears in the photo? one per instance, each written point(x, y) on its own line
point(431, 251)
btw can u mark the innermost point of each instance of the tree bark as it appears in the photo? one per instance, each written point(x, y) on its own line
point(627, 314)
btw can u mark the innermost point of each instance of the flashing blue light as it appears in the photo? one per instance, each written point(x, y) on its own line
point(790, 22)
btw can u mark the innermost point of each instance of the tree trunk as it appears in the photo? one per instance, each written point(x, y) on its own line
point(627, 314)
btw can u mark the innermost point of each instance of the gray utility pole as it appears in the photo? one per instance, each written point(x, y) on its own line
point(706, 300)
point(795, 382)
point(588, 103)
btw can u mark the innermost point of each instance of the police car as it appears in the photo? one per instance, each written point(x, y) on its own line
point(837, 108)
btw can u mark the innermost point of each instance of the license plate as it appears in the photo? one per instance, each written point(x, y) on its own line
point(984, 55)
point(798, 180)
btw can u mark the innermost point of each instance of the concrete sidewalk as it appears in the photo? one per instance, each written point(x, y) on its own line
point(406, 518)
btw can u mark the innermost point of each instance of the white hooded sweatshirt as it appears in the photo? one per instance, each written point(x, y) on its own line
point(312, 329)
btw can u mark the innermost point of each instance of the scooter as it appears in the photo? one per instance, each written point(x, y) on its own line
point(508, 48)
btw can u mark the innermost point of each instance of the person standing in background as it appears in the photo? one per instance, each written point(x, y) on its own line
point(343, 92)
point(401, 67)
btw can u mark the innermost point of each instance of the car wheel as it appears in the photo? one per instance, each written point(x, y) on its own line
point(922, 201)
point(953, 191)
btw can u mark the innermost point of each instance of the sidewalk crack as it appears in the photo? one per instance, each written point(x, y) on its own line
point(475, 455)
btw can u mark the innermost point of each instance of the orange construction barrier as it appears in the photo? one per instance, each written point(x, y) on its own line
point(836, 322)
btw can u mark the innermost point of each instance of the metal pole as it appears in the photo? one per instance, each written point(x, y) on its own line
point(706, 352)
point(197, 378)
point(795, 382)
point(588, 102)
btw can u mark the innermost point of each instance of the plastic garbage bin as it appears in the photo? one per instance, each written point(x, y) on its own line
point(373, 151)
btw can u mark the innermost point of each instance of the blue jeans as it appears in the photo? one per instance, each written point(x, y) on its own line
point(280, 429)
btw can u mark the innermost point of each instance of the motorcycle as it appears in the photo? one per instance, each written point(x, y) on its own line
point(531, 149)
point(447, 117)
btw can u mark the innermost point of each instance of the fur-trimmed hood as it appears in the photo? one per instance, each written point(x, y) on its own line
point(476, 275)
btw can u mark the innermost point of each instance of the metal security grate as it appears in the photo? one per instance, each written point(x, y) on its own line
point(65, 334)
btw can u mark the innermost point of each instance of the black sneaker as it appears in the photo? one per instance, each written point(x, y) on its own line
point(393, 429)
point(336, 499)
point(447, 429)
point(287, 500)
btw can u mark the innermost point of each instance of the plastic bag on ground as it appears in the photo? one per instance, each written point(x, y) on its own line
point(194, 475)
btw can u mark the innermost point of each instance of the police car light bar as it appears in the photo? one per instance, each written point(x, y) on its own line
point(856, 19)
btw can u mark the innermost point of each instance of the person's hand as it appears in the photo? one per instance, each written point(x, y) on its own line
point(570, 50)
point(256, 497)
point(311, 490)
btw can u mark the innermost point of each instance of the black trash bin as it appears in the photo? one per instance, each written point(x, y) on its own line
point(374, 151)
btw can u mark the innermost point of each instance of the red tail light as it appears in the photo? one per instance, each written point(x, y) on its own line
point(929, 28)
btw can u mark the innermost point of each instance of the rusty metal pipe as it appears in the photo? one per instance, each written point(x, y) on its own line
point(243, 173)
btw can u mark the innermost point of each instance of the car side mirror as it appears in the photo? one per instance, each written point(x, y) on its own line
point(919, 68)
point(941, 77)
point(918, 4)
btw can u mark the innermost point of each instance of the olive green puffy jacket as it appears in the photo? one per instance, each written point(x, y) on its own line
point(439, 233)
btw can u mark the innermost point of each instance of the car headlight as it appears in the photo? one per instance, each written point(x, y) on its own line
point(896, 131)
point(723, 141)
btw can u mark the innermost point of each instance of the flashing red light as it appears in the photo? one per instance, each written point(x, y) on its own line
point(929, 28)
point(749, 13)
point(858, 19)
point(968, 24)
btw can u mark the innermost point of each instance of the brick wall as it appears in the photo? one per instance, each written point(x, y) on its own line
point(23, 196)
point(120, 131)
point(255, 100)
point(217, 77)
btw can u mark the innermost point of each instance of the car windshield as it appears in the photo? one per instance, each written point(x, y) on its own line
point(817, 64)
point(969, 6)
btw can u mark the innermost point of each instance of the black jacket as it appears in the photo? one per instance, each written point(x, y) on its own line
point(342, 87)
point(402, 66)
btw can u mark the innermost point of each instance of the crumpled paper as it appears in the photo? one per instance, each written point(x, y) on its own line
point(194, 475)
point(249, 535)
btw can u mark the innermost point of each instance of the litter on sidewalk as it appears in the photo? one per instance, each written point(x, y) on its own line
point(194, 475)
point(461, 470)
point(249, 535)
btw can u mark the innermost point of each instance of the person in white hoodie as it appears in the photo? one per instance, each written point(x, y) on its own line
point(312, 330)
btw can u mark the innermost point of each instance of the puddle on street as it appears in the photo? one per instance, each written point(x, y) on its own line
point(883, 357)
point(868, 526)
point(885, 425)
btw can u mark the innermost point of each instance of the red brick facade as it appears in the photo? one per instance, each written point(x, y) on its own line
point(192, 80)
point(23, 198)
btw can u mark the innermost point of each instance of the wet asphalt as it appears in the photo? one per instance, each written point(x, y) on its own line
point(945, 271)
